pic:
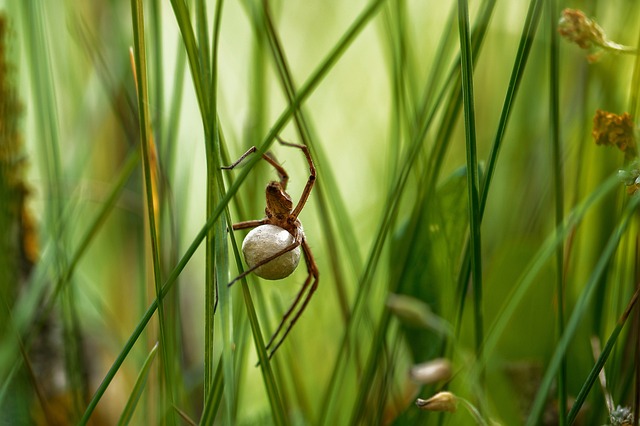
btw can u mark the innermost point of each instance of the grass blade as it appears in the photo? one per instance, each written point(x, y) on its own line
point(432, 171)
point(334, 205)
point(47, 120)
point(150, 170)
point(213, 399)
point(473, 180)
point(304, 92)
point(189, 39)
point(398, 230)
point(138, 388)
point(578, 311)
point(524, 49)
point(522, 55)
point(220, 266)
point(558, 183)
point(546, 251)
point(602, 359)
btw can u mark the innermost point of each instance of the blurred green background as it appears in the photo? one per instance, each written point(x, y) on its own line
point(381, 109)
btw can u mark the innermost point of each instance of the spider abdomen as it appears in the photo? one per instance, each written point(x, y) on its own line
point(265, 241)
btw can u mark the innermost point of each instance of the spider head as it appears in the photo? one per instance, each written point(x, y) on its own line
point(278, 201)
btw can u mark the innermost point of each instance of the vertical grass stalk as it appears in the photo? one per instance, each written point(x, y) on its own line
point(47, 121)
point(182, 16)
point(215, 191)
point(558, 183)
point(473, 180)
point(522, 55)
point(150, 170)
point(203, 74)
point(579, 310)
point(600, 362)
point(393, 201)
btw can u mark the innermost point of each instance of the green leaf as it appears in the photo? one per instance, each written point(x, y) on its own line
point(141, 381)
point(430, 243)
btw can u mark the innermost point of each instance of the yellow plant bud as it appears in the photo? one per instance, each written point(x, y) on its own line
point(442, 401)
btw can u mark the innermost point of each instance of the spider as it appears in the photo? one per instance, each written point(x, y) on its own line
point(281, 213)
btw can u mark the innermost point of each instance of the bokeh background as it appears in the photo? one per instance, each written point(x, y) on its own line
point(389, 214)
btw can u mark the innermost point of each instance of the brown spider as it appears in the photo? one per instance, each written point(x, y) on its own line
point(280, 212)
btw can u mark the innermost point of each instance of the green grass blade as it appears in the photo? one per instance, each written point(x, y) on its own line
point(29, 304)
point(334, 204)
point(142, 324)
point(220, 238)
point(451, 96)
point(216, 273)
point(304, 92)
point(546, 251)
point(129, 166)
point(452, 102)
point(173, 122)
point(277, 410)
point(524, 49)
point(38, 44)
point(578, 312)
point(189, 39)
point(275, 399)
point(522, 55)
point(151, 173)
point(47, 120)
point(473, 180)
point(444, 211)
point(558, 184)
point(214, 239)
point(28, 307)
point(214, 398)
point(602, 359)
point(269, 378)
point(138, 388)
point(399, 83)
point(202, 34)
point(431, 98)
point(155, 26)
point(395, 194)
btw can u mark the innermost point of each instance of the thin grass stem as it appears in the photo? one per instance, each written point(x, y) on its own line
point(392, 203)
point(579, 311)
point(558, 183)
point(522, 55)
point(138, 388)
point(601, 361)
point(150, 170)
point(304, 92)
point(473, 179)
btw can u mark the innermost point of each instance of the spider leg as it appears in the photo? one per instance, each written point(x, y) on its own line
point(239, 160)
point(249, 224)
point(282, 173)
point(310, 182)
point(309, 287)
point(269, 158)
